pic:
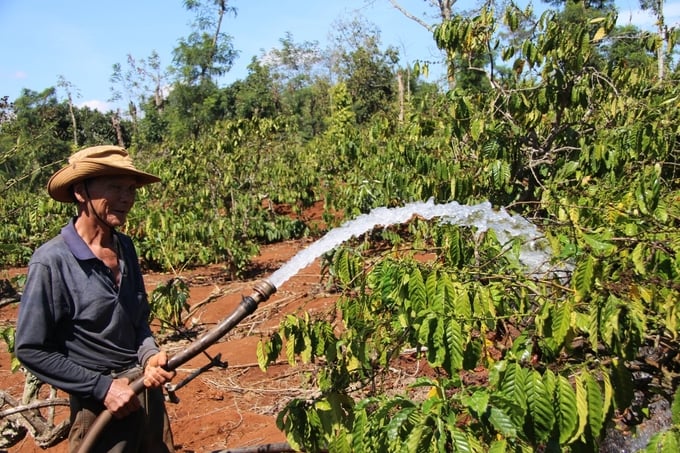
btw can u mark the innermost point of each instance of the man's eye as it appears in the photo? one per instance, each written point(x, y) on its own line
point(119, 189)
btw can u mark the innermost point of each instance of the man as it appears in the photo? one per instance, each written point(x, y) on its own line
point(83, 317)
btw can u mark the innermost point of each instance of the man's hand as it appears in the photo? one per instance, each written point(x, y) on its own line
point(154, 373)
point(120, 399)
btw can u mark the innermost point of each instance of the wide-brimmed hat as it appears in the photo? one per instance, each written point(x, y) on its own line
point(92, 162)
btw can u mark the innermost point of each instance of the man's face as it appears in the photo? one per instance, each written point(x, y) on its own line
point(112, 197)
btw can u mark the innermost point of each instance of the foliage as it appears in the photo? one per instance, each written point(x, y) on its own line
point(365, 68)
point(10, 290)
point(7, 335)
point(167, 303)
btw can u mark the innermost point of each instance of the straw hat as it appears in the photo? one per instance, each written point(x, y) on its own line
point(105, 160)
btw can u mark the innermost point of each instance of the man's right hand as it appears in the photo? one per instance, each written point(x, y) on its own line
point(121, 400)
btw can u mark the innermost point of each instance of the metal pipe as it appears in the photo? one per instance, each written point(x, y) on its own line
point(262, 291)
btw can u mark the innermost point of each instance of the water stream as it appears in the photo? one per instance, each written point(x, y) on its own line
point(535, 253)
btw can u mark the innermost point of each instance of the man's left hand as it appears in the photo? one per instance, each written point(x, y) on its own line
point(154, 373)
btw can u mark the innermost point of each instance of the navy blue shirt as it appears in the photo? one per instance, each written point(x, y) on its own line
point(75, 323)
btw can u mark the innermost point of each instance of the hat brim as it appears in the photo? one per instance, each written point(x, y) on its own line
point(59, 185)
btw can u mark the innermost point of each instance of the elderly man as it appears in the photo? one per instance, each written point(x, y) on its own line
point(83, 317)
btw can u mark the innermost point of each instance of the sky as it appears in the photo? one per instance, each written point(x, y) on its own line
point(81, 40)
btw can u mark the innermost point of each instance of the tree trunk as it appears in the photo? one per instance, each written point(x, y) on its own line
point(115, 122)
point(662, 36)
point(74, 124)
point(400, 84)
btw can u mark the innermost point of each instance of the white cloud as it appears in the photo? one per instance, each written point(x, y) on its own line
point(646, 19)
point(96, 104)
point(20, 75)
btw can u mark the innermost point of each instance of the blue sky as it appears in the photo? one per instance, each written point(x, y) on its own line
point(80, 40)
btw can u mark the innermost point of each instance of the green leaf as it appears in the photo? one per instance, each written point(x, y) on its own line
point(261, 355)
point(593, 327)
point(664, 442)
point(581, 409)
point(499, 446)
point(561, 321)
point(434, 302)
point(584, 277)
point(426, 327)
point(540, 405)
point(599, 34)
point(512, 19)
point(290, 351)
point(322, 405)
point(461, 443)
point(308, 347)
point(638, 257)
point(455, 342)
point(419, 438)
point(476, 128)
point(437, 342)
point(417, 293)
point(595, 405)
point(477, 402)
point(396, 423)
point(461, 300)
point(622, 381)
point(513, 385)
point(502, 422)
point(598, 244)
point(608, 394)
point(567, 416)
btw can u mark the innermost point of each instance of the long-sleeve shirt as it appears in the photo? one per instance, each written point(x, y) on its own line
point(75, 324)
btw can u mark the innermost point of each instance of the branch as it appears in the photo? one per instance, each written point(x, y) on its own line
point(34, 405)
point(44, 434)
point(8, 300)
point(418, 20)
point(282, 447)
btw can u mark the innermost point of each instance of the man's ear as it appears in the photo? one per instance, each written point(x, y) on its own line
point(79, 192)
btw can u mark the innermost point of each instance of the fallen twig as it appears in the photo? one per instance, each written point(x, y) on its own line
point(34, 405)
point(8, 300)
point(44, 434)
point(281, 447)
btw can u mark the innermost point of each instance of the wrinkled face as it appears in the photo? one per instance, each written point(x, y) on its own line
point(111, 197)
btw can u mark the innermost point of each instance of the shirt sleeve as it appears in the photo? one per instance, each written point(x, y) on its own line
point(36, 345)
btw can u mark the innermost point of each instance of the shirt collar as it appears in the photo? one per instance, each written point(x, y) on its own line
point(75, 243)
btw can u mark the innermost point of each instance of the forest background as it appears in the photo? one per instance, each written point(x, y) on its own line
point(565, 118)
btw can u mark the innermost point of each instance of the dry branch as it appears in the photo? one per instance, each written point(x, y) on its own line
point(281, 447)
point(34, 405)
point(44, 434)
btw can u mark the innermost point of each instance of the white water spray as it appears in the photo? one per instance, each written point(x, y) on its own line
point(535, 252)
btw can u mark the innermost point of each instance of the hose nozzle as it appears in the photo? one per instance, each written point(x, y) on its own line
point(262, 291)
